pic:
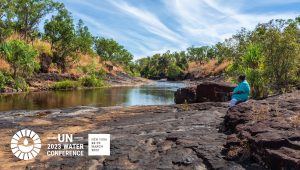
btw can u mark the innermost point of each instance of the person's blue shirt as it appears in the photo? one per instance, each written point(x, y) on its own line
point(244, 88)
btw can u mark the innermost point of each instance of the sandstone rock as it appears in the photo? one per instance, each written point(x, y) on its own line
point(185, 95)
point(8, 90)
point(204, 92)
point(269, 129)
point(144, 137)
point(54, 77)
point(215, 92)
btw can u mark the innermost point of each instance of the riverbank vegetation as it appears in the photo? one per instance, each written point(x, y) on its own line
point(59, 47)
point(269, 56)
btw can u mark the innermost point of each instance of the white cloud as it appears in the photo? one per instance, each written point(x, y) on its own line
point(211, 21)
point(149, 21)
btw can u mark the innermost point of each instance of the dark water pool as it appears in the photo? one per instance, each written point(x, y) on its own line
point(158, 93)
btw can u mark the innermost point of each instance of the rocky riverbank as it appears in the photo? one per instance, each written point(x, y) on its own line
point(253, 135)
point(43, 81)
point(267, 131)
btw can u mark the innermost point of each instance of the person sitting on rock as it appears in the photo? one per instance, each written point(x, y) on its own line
point(241, 92)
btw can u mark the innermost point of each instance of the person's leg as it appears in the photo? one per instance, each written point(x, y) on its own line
point(233, 102)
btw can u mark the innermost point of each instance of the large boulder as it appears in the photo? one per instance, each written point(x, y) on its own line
point(214, 91)
point(205, 92)
point(185, 95)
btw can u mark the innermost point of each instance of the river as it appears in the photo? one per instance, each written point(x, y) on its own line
point(157, 93)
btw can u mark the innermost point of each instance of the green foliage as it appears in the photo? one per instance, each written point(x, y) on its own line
point(92, 70)
point(21, 56)
point(91, 81)
point(4, 79)
point(162, 65)
point(27, 14)
point(174, 72)
point(65, 85)
point(200, 54)
point(20, 84)
point(282, 50)
point(109, 49)
point(84, 38)
point(6, 15)
point(61, 34)
point(269, 56)
point(251, 64)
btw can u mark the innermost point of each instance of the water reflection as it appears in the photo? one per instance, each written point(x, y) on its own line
point(154, 94)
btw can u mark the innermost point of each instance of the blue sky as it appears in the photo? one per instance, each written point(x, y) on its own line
point(146, 27)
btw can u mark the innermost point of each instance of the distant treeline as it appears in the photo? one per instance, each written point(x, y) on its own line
point(269, 56)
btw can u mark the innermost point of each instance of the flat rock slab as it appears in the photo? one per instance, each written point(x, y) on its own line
point(145, 137)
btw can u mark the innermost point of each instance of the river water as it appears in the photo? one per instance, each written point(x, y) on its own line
point(157, 93)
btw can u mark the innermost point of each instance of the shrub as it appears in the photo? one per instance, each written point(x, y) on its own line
point(65, 85)
point(91, 81)
point(20, 84)
point(174, 72)
point(5, 79)
point(2, 80)
point(101, 73)
point(21, 56)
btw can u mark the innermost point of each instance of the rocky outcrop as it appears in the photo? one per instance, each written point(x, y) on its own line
point(214, 92)
point(54, 77)
point(186, 95)
point(204, 92)
point(267, 131)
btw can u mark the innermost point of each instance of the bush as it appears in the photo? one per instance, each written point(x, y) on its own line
point(65, 85)
point(91, 81)
point(174, 72)
point(5, 79)
point(2, 80)
point(20, 84)
point(21, 56)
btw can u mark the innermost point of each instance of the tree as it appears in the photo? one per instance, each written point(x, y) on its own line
point(21, 56)
point(61, 34)
point(174, 72)
point(28, 14)
point(281, 50)
point(200, 54)
point(268, 55)
point(6, 15)
point(109, 49)
point(84, 38)
point(166, 65)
